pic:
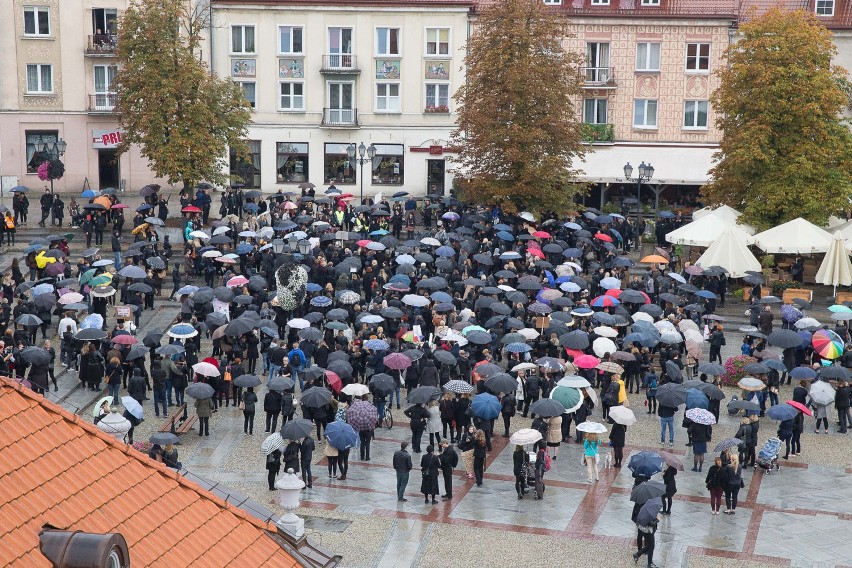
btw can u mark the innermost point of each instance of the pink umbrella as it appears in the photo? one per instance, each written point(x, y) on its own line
point(124, 339)
point(586, 362)
point(119, 206)
point(800, 406)
point(289, 205)
point(397, 361)
point(237, 281)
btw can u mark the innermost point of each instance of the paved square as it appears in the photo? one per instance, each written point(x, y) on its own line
point(805, 539)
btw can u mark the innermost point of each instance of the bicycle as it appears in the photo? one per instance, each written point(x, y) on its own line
point(387, 421)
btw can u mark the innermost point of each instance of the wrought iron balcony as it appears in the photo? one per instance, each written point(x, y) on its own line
point(597, 77)
point(340, 63)
point(102, 103)
point(101, 45)
point(344, 117)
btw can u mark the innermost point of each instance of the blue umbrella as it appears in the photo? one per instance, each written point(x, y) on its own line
point(445, 251)
point(696, 399)
point(782, 412)
point(144, 207)
point(341, 435)
point(505, 236)
point(379, 233)
point(510, 255)
point(377, 345)
point(42, 289)
point(93, 321)
point(775, 364)
point(666, 215)
point(401, 278)
point(486, 406)
point(321, 301)
point(572, 253)
point(440, 297)
point(646, 464)
point(33, 248)
point(649, 511)
point(20, 189)
point(244, 248)
point(187, 290)
point(253, 207)
point(502, 227)
point(313, 287)
point(518, 348)
point(572, 226)
point(90, 193)
point(706, 294)
point(803, 373)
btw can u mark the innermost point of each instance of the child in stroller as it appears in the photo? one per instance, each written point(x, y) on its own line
point(767, 458)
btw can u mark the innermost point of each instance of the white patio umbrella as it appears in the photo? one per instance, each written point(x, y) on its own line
point(731, 253)
point(704, 231)
point(796, 236)
point(835, 268)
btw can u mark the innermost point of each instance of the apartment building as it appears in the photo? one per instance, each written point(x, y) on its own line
point(328, 80)
point(56, 73)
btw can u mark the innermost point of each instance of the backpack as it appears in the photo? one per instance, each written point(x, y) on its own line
point(547, 462)
point(10, 223)
point(611, 395)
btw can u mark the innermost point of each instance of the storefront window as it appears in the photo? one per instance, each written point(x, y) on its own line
point(388, 165)
point(246, 172)
point(34, 159)
point(291, 162)
point(337, 167)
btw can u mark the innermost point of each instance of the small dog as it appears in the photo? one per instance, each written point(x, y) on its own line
point(607, 459)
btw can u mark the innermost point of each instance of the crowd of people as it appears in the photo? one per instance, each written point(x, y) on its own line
point(465, 315)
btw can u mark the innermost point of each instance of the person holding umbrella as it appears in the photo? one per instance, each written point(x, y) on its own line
point(590, 455)
point(273, 466)
point(646, 524)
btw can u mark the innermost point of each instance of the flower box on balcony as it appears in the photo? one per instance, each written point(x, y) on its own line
point(597, 133)
point(436, 110)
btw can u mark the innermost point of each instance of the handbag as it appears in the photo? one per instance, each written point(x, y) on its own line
point(242, 406)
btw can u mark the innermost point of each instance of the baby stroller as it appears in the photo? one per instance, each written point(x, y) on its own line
point(767, 458)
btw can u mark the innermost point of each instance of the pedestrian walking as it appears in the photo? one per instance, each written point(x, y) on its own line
point(429, 466)
point(733, 483)
point(590, 456)
point(402, 465)
point(480, 449)
point(715, 483)
point(520, 467)
point(671, 488)
point(248, 407)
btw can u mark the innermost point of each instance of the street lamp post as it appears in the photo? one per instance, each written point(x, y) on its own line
point(54, 151)
point(646, 172)
point(361, 160)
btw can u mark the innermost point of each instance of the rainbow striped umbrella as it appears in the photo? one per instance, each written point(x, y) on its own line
point(827, 344)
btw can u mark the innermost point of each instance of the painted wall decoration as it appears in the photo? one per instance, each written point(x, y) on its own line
point(243, 68)
point(387, 69)
point(291, 69)
point(438, 70)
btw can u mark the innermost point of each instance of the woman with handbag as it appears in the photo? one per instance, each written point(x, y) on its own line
point(733, 484)
point(429, 466)
point(248, 406)
point(715, 483)
point(465, 444)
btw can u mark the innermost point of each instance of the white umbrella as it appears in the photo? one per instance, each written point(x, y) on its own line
point(704, 231)
point(70, 298)
point(356, 389)
point(132, 406)
point(220, 230)
point(271, 443)
point(524, 367)
point(796, 236)
point(431, 241)
point(298, 323)
point(642, 316)
point(199, 235)
point(835, 268)
point(573, 381)
point(603, 345)
point(527, 216)
point(529, 333)
point(405, 259)
point(211, 254)
point(605, 331)
point(622, 415)
point(525, 436)
point(591, 427)
point(822, 393)
point(415, 300)
point(730, 251)
point(593, 396)
point(206, 369)
point(807, 322)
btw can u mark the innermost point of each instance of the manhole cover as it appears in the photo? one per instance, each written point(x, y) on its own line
point(326, 525)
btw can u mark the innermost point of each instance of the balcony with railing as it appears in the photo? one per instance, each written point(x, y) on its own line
point(597, 78)
point(597, 133)
point(101, 45)
point(340, 63)
point(340, 117)
point(102, 103)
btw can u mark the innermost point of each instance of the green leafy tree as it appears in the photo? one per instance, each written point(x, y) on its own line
point(517, 134)
point(182, 116)
point(786, 152)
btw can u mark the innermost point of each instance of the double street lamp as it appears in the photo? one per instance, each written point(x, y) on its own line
point(363, 151)
point(646, 172)
point(53, 150)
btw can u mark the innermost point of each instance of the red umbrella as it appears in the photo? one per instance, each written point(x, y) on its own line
point(535, 252)
point(363, 242)
point(574, 353)
point(333, 381)
point(603, 237)
point(191, 209)
point(124, 340)
point(614, 292)
point(800, 406)
point(119, 206)
point(397, 361)
point(211, 360)
point(541, 235)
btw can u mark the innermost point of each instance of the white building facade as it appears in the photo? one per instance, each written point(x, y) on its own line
point(323, 78)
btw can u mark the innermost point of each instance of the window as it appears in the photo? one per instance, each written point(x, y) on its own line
point(35, 158)
point(104, 87)
point(290, 39)
point(247, 171)
point(437, 97)
point(387, 41)
point(249, 92)
point(644, 113)
point(387, 97)
point(824, 7)
point(104, 21)
point(597, 62)
point(437, 41)
point(39, 79)
point(291, 162)
point(650, 2)
point(600, 2)
point(292, 96)
point(337, 168)
point(647, 56)
point(697, 56)
point(594, 111)
point(340, 48)
point(242, 39)
point(695, 114)
point(36, 20)
point(553, 2)
point(387, 167)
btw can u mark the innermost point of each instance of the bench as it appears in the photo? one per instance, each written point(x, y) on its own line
point(176, 424)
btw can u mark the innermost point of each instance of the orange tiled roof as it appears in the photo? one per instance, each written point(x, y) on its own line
point(57, 468)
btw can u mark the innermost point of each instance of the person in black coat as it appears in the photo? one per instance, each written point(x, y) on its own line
point(508, 406)
point(449, 460)
point(617, 435)
point(306, 456)
point(671, 489)
point(428, 374)
point(532, 386)
point(273, 466)
point(429, 466)
point(520, 463)
point(272, 408)
point(581, 415)
point(460, 410)
point(291, 457)
point(418, 417)
point(287, 407)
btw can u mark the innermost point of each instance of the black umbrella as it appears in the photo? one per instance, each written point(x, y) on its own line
point(577, 339)
point(784, 338)
point(479, 337)
point(743, 405)
point(649, 511)
point(35, 355)
point(298, 428)
point(140, 287)
point(239, 326)
point(501, 382)
point(422, 395)
point(647, 490)
point(834, 372)
point(200, 391)
point(338, 356)
point(257, 283)
point(382, 384)
point(216, 319)
point(44, 302)
point(758, 368)
point(29, 320)
point(280, 384)
point(164, 438)
point(310, 333)
point(315, 397)
point(223, 294)
point(152, 338)
point(169, 350)
point(673, 371)
point(341, 368)
point(547, 407)
point(247, 381)
point(671, 395)
point(136, 352)
point(444, 357)
point(203, 295)
point(156, 263)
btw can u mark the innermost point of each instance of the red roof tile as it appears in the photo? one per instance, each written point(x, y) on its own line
point(58, 469)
